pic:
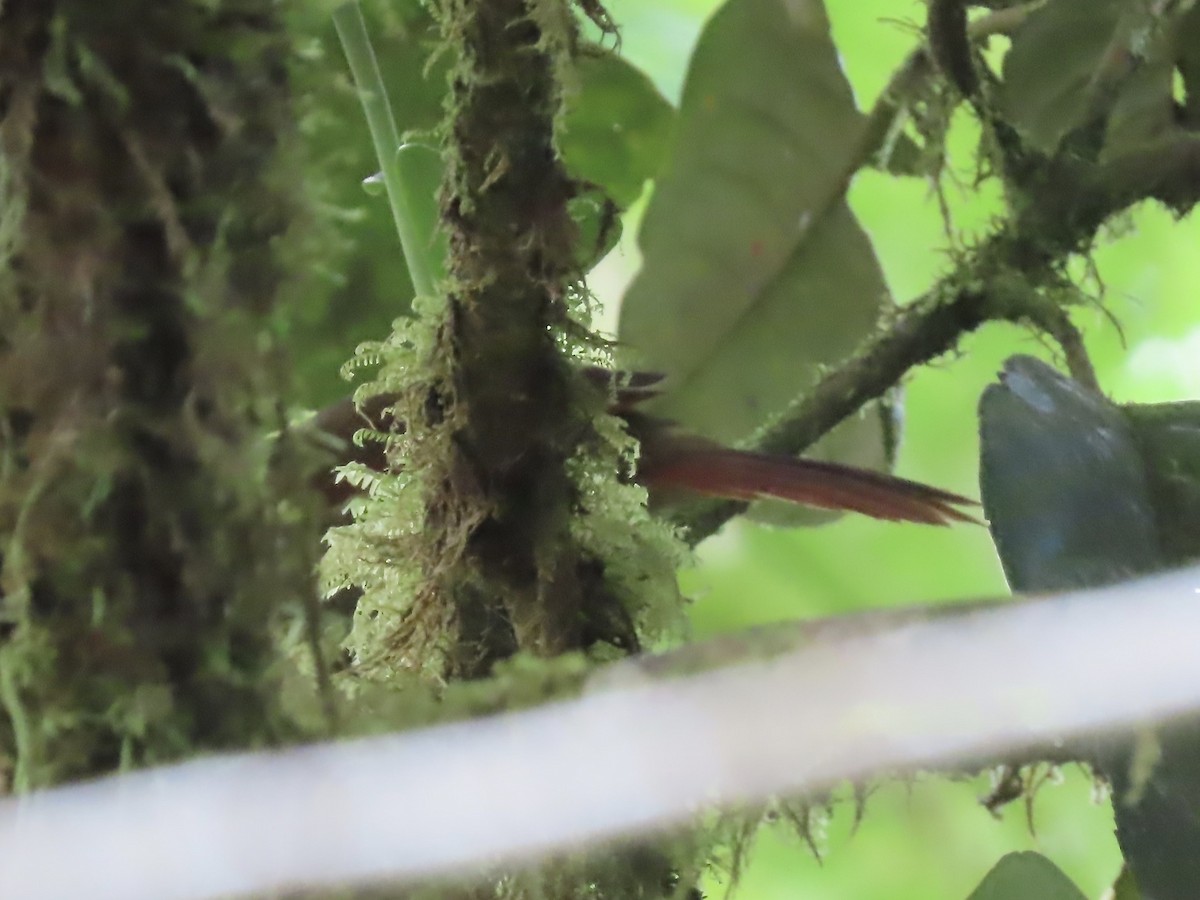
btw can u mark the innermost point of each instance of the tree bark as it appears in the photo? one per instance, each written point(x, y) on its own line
point(147, 555)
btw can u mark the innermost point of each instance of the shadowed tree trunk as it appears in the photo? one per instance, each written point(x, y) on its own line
point(147, 555)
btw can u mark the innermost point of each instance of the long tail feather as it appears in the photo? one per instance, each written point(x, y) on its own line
point(739, 475)
point(675, 461)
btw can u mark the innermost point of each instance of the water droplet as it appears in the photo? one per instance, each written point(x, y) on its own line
point(374, 184)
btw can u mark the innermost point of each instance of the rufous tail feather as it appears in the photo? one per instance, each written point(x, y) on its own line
point(741, 475)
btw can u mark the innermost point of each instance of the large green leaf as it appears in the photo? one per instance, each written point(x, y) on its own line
point(755, 272)
point(1144, 110)
point(1026, 876)
point(1075, 63)
point(731, 373)
point(617, 127)
point(1050, 72)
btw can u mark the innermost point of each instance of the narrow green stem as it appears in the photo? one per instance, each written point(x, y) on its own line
point(352, 30)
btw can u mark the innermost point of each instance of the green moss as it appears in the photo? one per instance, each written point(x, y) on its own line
point(641, 553)
point(387, 552)
point(152, 543)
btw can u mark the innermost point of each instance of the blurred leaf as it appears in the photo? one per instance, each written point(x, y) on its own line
point(1049, 73)
point(1063, 483)
point(614, 136)
point(1026, 876)
point(1145, 109)
point(755, 272)
point(617, 128)
point(1169, 437)
point(766, 122)
point(1075, 63)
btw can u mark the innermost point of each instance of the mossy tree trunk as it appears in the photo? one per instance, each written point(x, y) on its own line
point(147, 554)
point(519, 420)
point(157, 548)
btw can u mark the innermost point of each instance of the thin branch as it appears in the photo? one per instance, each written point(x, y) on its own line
point(909, 81)
point(951, 36)
point(912, 78)
point(1052, 319)
point(946, 31)
point(638, 756)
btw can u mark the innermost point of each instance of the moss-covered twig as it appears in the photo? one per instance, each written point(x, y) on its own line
point(950, 46)
point(911, 79)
